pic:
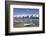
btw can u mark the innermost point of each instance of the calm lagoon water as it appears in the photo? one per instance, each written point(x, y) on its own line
point(19, 22)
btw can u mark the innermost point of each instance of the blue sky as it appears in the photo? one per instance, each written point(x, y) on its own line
point(19, 11)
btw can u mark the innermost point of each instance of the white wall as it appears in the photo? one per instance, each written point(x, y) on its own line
point(2, 18)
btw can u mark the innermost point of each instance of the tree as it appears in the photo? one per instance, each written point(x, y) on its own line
point(23, 17)
point(27, 16)
point(31, 16)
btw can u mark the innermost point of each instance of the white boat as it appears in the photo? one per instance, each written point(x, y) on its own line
point(28, 24)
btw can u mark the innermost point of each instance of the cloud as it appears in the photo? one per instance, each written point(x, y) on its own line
point(34, 15)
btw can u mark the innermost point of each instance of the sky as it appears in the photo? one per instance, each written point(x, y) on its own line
point(20, 11)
